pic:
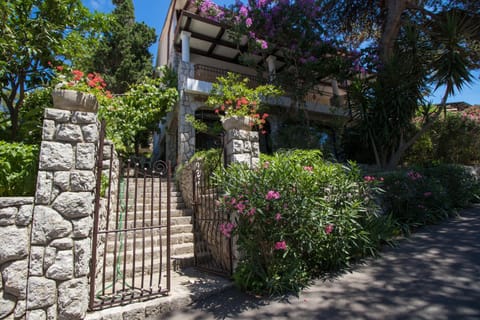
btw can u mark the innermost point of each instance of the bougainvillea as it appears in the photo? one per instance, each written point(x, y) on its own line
point(309, 53)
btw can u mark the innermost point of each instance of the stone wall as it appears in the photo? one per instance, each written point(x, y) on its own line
point(15, 227)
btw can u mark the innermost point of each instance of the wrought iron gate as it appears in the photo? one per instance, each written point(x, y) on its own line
point(212, 250)
point(131, 236)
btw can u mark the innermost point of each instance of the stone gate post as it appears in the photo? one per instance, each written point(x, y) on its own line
point(60, 251)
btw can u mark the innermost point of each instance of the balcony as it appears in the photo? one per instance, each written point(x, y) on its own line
point(210, 74)
point(318, 96)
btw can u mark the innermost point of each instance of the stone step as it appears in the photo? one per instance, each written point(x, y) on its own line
point(149, 243)
point(180, 219)
point(147, 232)
point(156, 206)
point(148, 214)
point(177, 262)
point(175, 250)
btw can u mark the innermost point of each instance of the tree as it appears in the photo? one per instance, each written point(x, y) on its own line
point(135, 114)
point(443, 51)
point(123, 57)
point(34, 35)
point(293, 32)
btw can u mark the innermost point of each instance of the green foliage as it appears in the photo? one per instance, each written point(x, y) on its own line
point(297, 217)
point(211, 160)
point(231, 96)
point(18, 169)
point(429, 195)
point(123, 56)
point(453, 139)
point(384, 108)
point(31, 115)
point(33, 34)
point(137, 113)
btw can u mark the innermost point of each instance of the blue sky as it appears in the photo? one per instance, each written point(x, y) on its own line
point(153, 12)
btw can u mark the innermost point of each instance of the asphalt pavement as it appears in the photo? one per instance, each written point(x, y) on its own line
point(433, 274)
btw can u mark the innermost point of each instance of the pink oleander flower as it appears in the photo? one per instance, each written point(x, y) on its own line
point(226, 229)
point(240, 207)
point(427, 194)
point(248, 22)
point(251, 212)
point(263, 44)
point(280, 245)
point(278, 217)
point(308, 168)
point(272, 195)
point(369, 178)
point(329, 228)
point(414, 175)
point(266, 165)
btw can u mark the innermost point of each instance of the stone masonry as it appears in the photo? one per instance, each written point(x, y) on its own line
point(63, 217)
point(15, 226)
point(243, 147)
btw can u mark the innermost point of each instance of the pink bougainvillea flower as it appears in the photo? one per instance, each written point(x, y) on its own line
point(278, 217)
point(280, 245)
point(248, 22)
point(329, 228)
point(427, 194)
point(272, 195)
point(243, 11)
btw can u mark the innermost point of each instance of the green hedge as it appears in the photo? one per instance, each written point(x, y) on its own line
point(18, 169)
point(422, 196)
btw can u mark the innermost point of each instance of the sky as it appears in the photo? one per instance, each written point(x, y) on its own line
point(153, 13)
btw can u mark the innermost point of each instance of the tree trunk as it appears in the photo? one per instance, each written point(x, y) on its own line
point(391, 27)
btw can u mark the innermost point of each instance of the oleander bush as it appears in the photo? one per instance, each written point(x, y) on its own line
point(299, 216)
point(421, 196)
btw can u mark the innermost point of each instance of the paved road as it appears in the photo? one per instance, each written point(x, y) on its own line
point(435, 274)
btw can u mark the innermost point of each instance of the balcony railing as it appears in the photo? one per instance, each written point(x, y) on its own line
point(210, 74)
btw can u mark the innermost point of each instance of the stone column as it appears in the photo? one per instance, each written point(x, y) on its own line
point(242, 144)
point(185, 35)
point(271, 67)
point(60, 254)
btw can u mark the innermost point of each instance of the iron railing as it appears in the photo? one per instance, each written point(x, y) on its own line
point(212, 250)
point(131, 236)
point(210, 74)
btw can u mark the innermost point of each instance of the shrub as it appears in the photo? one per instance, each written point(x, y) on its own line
point(417, 197)
point(298, 216)
point(454, 139)
point(18, 169)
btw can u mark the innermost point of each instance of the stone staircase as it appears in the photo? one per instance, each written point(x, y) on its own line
point(139, 254)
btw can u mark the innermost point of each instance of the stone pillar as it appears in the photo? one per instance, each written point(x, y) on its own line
point(335, 89)
point(60, 254)
point(242, 144)
point(271, 67)
point(185, 35)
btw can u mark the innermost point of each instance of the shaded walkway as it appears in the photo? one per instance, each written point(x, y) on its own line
point(435, 274)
